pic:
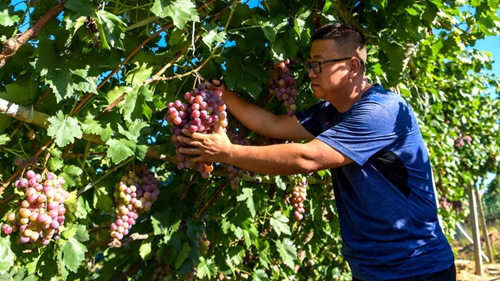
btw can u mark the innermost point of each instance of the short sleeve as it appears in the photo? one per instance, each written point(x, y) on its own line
point(369, 126)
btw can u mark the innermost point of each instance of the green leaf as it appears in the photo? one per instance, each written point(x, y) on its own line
point(247, 196)
point(139, 74)
point(206, 268)
point(82, 233)
point(287, 251)
point(182, 255)
point(73, 254)
point(64, 130)
point(103, 197)
point(111, 29)
point(71, 203)
point(279, 222)
point(71, 174)
point(4, 139)
point(145, 251)
point(134, 102)
point(63, 75)
point(120, 149)
point(7, 257)
point(5, 122)
point(280, 183)
point(259, 275)
point(83, 8)
point(181, 11)
point(168, 222)
point(91, 126)
point(213, 36)
point(17, 94)
point(6, 19)
point(55, 162)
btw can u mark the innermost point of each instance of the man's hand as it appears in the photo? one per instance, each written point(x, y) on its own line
point(215, 147)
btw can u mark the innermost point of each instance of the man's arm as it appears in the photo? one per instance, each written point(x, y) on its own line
point(260, 120)
point(279, 159)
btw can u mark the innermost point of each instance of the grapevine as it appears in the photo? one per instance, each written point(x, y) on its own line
point(282, 84)
point(39, 216)
point(134, 194)
point(203, 110)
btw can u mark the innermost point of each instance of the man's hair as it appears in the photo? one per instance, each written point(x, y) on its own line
point(346, 36)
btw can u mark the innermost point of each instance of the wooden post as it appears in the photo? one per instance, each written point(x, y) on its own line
point(475, 230)
point(484, 227)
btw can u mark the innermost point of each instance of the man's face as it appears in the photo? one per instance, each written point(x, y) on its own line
point(334, 74)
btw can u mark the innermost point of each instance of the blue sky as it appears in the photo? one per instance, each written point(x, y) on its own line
point(492, 45)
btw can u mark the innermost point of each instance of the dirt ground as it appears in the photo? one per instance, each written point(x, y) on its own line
point(466, 271)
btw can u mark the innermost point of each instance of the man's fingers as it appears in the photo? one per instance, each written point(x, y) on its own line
point(215, 81)
point(190, 150)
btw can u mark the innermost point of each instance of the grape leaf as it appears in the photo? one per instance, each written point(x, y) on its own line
point(280, 223)
point(247, 196)
point(6, 255)
point(111, 30)
point(120, 149)
point(65, 79)
point(82, 8)
point(55, 162)
point(6, 19)
point(71, 203)
point(103, 199)
point(145, 251)
point(81, 234)
point(287, 251)
point(259, 275)
point(181, 11)
point(73, 254)
point(182, 255)
point(5, 122)
point(91, 126)
point(63, 130)
point(4, 139)
point(213, 35)
point(139, 74)
point(134, 101)
point(16, 93)
point(206, 268)
point(71, 174)
point(280, 183)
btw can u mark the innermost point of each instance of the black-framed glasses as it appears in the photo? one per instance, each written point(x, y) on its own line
point(315, 66)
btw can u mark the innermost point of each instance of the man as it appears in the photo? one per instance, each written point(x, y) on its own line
point(370, 140)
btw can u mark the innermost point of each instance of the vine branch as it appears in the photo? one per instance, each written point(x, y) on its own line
point(12, 45)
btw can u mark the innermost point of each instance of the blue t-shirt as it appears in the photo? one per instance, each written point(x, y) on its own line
point(385, 199)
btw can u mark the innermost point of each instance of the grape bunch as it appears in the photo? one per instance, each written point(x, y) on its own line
point(202, 111)
point(299, 193)
point(162, 273)
point(282, 84)
point(23, 163)
point(203, 243)
point(234, 173)
point(40, 213)
point(134, 194)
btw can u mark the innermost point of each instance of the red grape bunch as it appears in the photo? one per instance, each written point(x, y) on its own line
point(299, 193)
point(283, 84)
point(134, 195)
point(203, 110)
point(40, 212)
